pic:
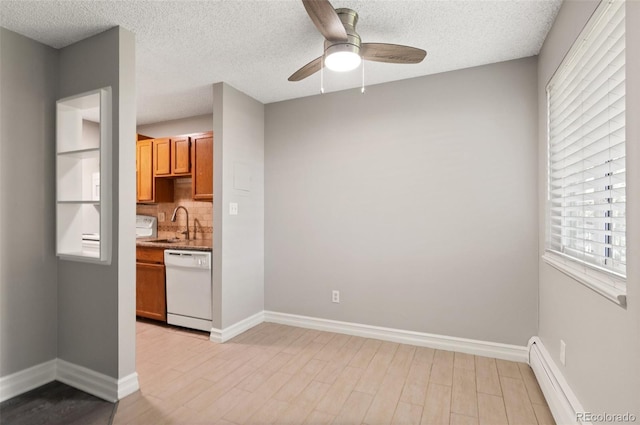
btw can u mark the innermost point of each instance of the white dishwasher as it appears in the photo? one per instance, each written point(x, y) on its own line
point(188, 288)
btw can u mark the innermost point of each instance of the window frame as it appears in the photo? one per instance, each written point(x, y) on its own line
point(605, 282)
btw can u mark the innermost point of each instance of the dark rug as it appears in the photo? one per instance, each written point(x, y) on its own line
point(56, 404)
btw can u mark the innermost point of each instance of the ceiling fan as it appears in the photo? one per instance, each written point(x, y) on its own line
point(343, 49)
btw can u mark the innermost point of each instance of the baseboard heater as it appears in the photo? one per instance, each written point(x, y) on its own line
point(561, 400)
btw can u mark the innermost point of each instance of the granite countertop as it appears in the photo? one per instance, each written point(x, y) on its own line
point(193, 245)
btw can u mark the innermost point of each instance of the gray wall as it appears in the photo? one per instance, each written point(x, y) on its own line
point(28, 267)
point(603, 347)
point(238, 241)
point(124, 205)
point(417, 200)
point(197, 124)
point(96, 303)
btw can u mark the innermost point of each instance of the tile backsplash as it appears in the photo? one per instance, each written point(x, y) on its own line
point(200, 214)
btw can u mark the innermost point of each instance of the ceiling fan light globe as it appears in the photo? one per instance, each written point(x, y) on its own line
point(342, 61)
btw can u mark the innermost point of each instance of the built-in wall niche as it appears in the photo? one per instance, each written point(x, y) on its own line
point(83, 177)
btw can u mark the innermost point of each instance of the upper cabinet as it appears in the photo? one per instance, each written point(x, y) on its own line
point(148, 188)
point(162, 157)
point(171, 157)
point(144, 168)
point(202, 159)
point(83, 177)
point(180, 156)
point(161, 160)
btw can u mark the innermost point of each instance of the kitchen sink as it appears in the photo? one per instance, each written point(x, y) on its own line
point(166, 240)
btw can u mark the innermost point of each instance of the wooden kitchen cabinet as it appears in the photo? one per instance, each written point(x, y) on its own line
point(180, 156)
point(144, 169)
point(151, 296)
point(162, 157)
point(172, 157)
point(202, 160)
point(161, 160)
point(148, 188)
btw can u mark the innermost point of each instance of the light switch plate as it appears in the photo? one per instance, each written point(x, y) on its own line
point(233, 208)
point(161, 216)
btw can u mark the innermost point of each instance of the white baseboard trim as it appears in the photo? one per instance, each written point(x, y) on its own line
point(562, 401)
point(27, 379)
point(237, 328)
point(90, 381)
point(87, 380)
point(128, 385)
point(215, 335)
point(463, 345)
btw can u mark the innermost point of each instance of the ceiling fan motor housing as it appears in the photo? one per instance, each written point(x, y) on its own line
point(349, 19)
point(343, 48)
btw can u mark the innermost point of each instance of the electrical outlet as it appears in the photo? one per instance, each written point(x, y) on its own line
point(161, 217)
point(335, 296)
point(563, 353)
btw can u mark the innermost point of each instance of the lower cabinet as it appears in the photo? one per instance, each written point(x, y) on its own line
point(151, 296)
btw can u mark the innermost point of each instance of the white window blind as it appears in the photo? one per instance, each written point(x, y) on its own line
point(587, 179)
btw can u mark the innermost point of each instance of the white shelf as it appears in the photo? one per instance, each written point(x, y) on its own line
point(84, 253)
point(81, 153)
point(95, 203)
point(83, 174)
point(76, 173)
point(76, 122)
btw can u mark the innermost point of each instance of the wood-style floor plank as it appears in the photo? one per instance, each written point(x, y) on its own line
point(318, 418)
point(386, 399)
point(354, 409)
point(407, 414)
point(339, 392)
point(464, 361)
point(442, 369)
point(464, 398)
point(437, 405)
point(303, 405)
point(299, 381)
point(530, 382)
point(374, 374)
point(491, 410)
point(277, 374)
point(458, 419)
point(415, 388)
point(241, 413)
point(340, 359)
point(365, 354)
point(516, 400)
point(508, 369)
point(487, 380)
point(543, 414)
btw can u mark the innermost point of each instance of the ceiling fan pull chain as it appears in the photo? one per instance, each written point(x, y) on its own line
point(322, 75)
point(362, 89)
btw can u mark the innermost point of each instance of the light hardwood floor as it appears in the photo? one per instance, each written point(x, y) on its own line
point(275, 374)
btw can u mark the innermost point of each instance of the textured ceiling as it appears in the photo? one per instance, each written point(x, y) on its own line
point(185, 46)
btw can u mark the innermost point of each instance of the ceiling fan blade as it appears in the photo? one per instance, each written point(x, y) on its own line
point(391, 53)
point(326, 19)
point(307, 70)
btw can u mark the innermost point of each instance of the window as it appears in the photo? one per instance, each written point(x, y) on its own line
point(586, 152)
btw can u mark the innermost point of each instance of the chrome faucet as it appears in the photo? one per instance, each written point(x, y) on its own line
point(173, 218)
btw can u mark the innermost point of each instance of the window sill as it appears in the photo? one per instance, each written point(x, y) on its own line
point(607, 286)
